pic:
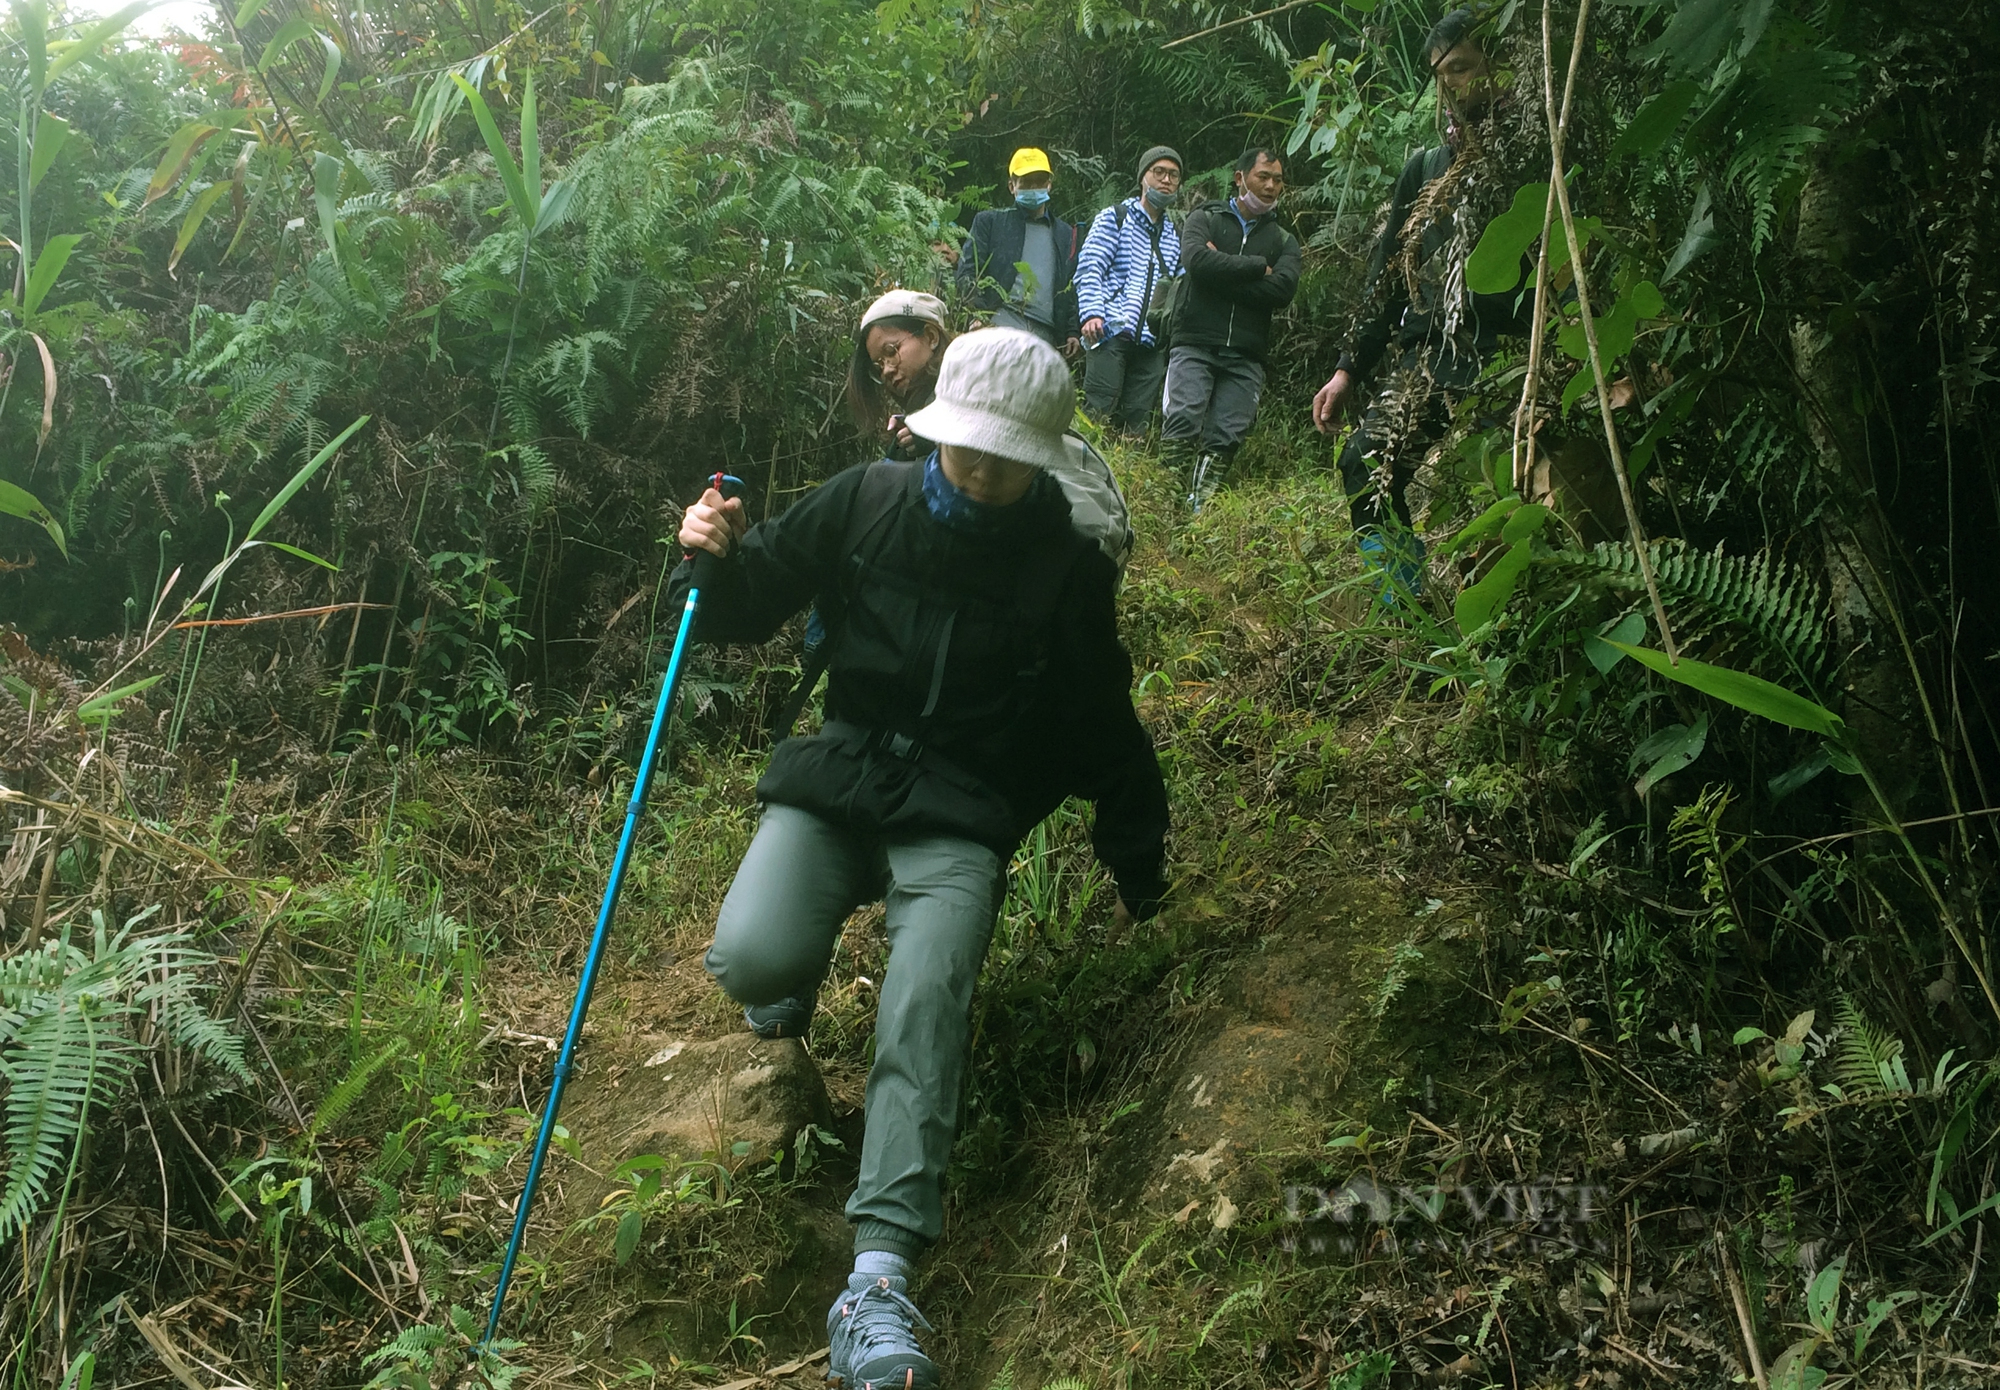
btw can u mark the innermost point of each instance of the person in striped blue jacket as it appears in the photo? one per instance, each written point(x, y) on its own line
point(1132, 253)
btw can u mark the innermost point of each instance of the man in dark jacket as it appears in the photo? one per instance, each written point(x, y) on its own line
point(976, 681)
point(1003, 240)
point(1241, 268)
point(1434, 348)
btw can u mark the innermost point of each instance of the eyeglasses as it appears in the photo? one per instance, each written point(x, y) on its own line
point(1165, 173)
point(879, 362)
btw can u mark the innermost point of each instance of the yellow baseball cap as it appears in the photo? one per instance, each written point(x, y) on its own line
point(1028, 161)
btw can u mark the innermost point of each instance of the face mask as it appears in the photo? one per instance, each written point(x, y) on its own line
point(1028, 199)
point(1157, 200)
point(1251, 205)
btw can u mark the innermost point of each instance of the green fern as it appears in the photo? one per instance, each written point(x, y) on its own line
point(1722, 601)
point(349, 1089)
point(69, 1042)
point(1867, 1060)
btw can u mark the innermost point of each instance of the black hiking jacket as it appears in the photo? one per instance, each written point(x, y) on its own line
point(1233, 290)
point(928, 645)
point(994, 249)
point(1389, 315)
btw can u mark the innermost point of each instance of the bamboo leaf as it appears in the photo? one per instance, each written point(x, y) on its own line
point(300, 479)
point(181, 150)
point(327, 172)
point(48, 265)
point(1741, 689)
point(510, 173)
point(33, 18)
point(531, 154)
point(192, 222)
point(90, 40)
point(51, 134)
point(99, 708)
point(18, 501)
point(293, 32)
point(301, 554)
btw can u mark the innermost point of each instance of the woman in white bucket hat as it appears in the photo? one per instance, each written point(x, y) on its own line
point(977, 681)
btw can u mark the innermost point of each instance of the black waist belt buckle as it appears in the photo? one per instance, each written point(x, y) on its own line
point(901, 746)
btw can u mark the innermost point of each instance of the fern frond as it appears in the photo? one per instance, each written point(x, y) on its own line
point(1868, 1061)
point(342, 1097)
point(60, 1065)
point(1725, 599)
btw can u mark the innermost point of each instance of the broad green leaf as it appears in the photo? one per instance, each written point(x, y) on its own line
point(1477, 605)
point(99, 709)
point(48, 265)
point(1699, 237)
point(1664, 424)
point(1617, 330)
point(630, 1227)
point(1525, 524)
point(18, 501)
point(1667, 752)
point(87, 43)
point(327, 174)
point(293, 32)
point(1697, 35)
point(555, 206)
point(300, 479)
point(192, 222)
point(1798, 774)
point(1597, 647)
point(1494, 267)
point(1743, 690)
point(51, 134)
point(1656, 122)
point(251, 9)
point(510, 173)
point(181, 150)
point(1485, 524)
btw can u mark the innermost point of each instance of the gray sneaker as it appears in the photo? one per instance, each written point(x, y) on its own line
point(787, 1018)
point(872, 1339)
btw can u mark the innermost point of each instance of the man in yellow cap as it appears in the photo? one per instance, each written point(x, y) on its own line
point(1019, 265)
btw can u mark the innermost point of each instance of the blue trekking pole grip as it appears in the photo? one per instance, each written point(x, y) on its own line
point(704, 571)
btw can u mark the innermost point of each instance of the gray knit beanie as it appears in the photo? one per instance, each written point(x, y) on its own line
point(1155, 155)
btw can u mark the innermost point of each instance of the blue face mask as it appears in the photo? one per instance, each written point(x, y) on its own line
point(1156, 199)
point(1028, 199)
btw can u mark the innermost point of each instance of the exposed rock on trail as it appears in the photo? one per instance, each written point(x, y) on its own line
point(701, 1099)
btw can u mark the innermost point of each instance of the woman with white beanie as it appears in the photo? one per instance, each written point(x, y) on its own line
point(977, 680)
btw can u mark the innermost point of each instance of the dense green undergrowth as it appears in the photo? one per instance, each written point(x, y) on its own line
point(292, 903)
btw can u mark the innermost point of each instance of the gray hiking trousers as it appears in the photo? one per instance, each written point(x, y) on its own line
point(1211, 397)
point(802, 877)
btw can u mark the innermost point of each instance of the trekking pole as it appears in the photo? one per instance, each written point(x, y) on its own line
point(704, 570)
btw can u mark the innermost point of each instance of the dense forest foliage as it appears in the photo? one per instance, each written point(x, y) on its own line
point(355, 365)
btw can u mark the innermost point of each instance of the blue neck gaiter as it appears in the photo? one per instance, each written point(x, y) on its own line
point(952, 508)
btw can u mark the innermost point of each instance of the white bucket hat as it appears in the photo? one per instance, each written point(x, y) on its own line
point(1003, 392)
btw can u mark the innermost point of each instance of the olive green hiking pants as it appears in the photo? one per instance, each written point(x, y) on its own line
point(802, 877)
